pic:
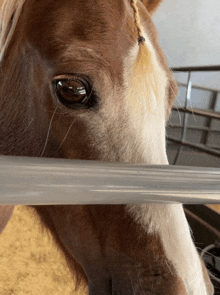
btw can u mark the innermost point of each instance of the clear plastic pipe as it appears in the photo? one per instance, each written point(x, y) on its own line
point(43, 181)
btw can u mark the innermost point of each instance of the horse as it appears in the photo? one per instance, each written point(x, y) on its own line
point(87, 79)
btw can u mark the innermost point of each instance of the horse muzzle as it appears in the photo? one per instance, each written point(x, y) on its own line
point(124, 276)
point(122, 286)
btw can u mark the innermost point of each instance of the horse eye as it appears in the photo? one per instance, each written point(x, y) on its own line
point(73, 94)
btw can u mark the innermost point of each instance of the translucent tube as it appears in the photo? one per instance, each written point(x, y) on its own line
point(38, 181)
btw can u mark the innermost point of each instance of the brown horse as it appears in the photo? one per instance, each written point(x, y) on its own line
point(87, 79)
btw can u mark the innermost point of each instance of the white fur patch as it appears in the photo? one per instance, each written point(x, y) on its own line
point(168, 221)
point(148, 113)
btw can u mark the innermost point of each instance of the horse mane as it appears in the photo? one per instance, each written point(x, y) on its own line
point(9, 16)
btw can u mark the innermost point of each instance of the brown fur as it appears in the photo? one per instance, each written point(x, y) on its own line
point(151, 5)
point(115, 243)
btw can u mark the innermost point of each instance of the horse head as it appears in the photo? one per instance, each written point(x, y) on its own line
point(87, 79)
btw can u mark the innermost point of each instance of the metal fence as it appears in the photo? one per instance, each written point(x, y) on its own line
point(209, 115)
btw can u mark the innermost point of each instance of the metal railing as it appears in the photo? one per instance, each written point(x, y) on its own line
point(209, 115)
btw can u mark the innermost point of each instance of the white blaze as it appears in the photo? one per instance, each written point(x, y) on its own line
point(168, 221)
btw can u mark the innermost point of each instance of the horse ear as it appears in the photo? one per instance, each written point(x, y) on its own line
point(151, 5)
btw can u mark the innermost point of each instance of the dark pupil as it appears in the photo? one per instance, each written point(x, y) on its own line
point(72, 91)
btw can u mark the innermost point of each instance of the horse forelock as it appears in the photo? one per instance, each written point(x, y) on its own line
point(9, 16)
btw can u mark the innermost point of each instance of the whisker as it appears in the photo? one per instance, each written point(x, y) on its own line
point(61, 113)
point(28, 126)
point(48, 132)
point(211, 255)
point(178, 110)
point(169, 268)
point(213, 276)
point(66, 134)
point(134, 287)
point(169, 122)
